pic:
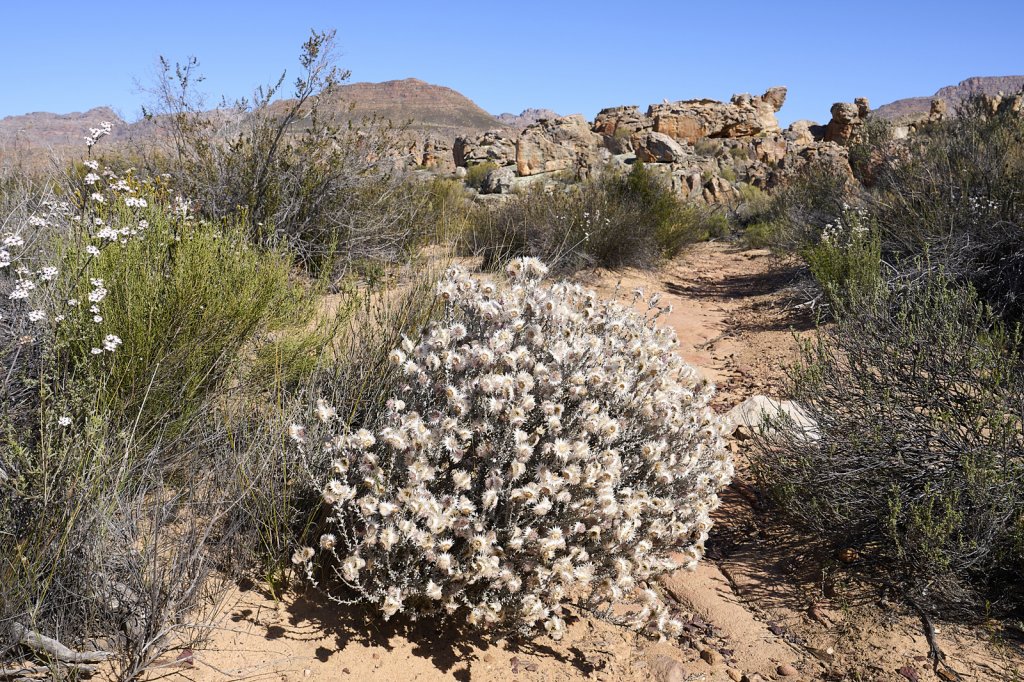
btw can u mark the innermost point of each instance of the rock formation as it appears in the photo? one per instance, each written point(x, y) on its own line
point(704, 149)
point(848, 118)
point(495, 146)
point(743, 116)
point(651, 147)
point(565, 143)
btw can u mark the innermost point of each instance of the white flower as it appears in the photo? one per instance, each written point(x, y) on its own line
point(328, 541)
point(324, 411)
point(297, 432)
point(543, 445)
point(92, 250)
point(91, 179)
point(96, 351)
point(302, 555)
point(36, 315)
point(47, 273)
point(91, 164)
point(111, 342)
point(98, 198)
point(64, 421)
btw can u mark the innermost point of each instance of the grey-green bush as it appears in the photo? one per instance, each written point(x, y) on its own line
point(918, 460)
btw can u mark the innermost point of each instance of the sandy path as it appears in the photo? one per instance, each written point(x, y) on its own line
point(757, 605)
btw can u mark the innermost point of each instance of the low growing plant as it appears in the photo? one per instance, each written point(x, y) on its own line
point(542, 446)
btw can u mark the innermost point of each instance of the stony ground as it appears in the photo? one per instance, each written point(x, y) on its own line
point(762, 605)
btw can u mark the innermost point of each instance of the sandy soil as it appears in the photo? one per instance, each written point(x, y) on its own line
point(762, 604)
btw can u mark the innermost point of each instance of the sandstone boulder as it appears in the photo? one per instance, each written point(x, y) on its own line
point(498, 180)
point(743, 116)
point(847, 122)
point(651, 147)
point(617, 125)
point(564, 143)
point(762, 412)
point(494, 145)
point(437, 155)
point(804, 132)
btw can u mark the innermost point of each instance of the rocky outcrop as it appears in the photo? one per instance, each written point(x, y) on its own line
point(437, 155)
point(498, 181)
point(565, 143)
point(528, 117)
point(706, 150)
point(494, 145)
point(743, 116)
point(651, 147)
point(618, 125)
point(848, 119)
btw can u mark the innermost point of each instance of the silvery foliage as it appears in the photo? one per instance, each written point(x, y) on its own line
point(546, 447)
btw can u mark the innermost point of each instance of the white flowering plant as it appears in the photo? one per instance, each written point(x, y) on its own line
point(544, 447)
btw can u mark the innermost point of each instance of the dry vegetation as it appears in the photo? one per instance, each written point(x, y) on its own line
point(231, 357)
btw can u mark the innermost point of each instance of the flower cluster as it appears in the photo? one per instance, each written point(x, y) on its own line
point(545, 446)
point(96, 133)
point(849, 227)
point(30, 284)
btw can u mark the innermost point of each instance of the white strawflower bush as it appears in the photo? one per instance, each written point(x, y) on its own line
point(546, 447)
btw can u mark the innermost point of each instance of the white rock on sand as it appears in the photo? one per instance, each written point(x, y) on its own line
point(759, 411)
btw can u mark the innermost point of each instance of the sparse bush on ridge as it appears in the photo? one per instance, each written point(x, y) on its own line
point(542, 446)
point(918, 463)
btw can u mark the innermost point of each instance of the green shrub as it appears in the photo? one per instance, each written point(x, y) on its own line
point(916, 459)
point(615, 220)
point(477, 173)
point(184, 300)
point(956, 191)
point(846, 262)
point(761, 235)
point(298, 172)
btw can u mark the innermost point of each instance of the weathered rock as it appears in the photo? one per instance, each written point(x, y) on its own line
point(718, 190)
point(743, 116)
point(667, 669)
point(494, 146)
point(759, 411)
point(846, 123)
point(565, 143)
point(654, 147)
point(711, 657)
point(437, 154)
point(787, 670)
point(863, 106)
point(775, 96)
point(804, 132)
point(617, 125)
point(770, 149)
point(498, 180)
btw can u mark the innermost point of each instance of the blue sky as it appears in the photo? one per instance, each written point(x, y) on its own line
point(508, 55)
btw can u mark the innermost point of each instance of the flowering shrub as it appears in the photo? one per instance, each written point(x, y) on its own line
point(847, 259)
point(544, 445)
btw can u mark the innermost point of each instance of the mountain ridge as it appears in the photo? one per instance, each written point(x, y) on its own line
point(952, 95)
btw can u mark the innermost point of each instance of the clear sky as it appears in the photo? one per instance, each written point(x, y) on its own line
point(508, 55)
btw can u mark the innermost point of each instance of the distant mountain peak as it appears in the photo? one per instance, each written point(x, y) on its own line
point(952, 95)
point(528, 117)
